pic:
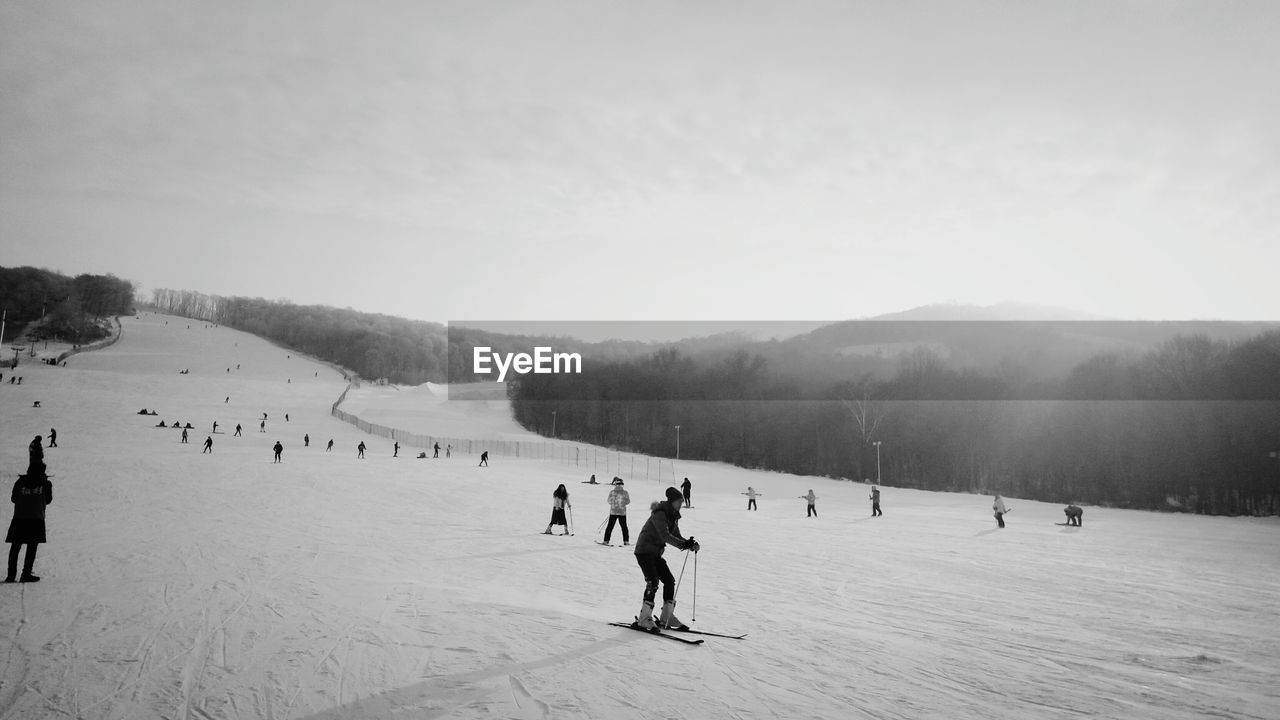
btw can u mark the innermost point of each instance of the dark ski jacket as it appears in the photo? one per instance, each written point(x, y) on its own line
point(662, 529)
point(30, 494)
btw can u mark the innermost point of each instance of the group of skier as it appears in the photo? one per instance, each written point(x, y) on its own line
point(278, 448)
point(662, 528)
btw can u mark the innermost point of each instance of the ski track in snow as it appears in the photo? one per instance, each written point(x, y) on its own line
point(182, 585)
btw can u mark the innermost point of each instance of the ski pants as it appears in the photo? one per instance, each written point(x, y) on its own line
point(656, 571)
point(1000, 519)
point(751, 504)
point(28, 564)
point(812, 511)
point(622, 522)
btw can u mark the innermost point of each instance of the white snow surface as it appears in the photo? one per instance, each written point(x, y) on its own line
point(178, 584)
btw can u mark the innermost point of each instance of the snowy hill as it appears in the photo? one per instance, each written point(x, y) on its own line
point(178, 584)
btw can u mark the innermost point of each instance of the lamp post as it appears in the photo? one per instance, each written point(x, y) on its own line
point(877, 444)
point(553, 423)
point(1276, 455)
point(677, 442)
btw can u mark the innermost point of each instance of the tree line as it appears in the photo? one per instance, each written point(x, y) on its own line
point(1189, 423)
point(373, 346)
point(1192, 424)
point(64, 308)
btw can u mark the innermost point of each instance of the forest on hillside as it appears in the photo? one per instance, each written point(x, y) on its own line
point(1192, 424)
point(370, 345)
point(60, 307)
point(1153, 416)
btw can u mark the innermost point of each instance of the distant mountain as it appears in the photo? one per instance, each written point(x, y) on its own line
point(1007, 310)
point(1017, 342)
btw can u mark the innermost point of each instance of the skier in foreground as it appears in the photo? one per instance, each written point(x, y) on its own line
point(662, 529)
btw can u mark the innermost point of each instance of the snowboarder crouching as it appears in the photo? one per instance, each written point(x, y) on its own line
point(1074, 515)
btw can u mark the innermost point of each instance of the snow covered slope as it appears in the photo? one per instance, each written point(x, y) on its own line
point(178, 584)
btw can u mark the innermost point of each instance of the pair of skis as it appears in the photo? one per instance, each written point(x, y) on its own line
point(667, 633)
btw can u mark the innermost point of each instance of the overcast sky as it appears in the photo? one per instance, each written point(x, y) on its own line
point(652, 160)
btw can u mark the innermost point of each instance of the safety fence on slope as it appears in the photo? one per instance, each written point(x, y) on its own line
point(93, 346)
point(605, 463)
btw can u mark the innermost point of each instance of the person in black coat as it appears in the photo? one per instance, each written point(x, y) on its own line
point(31, 493)
point(35, 453)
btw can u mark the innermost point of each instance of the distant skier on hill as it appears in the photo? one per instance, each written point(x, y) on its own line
point(208, 445)
point(751, 497)
point(875, 501)
point(484, 459)
point(1075, 515)
point(661, 529)
point(53, 438)
point(437, 450)
point(329, 446)
point(686, 489)
point(395, 450)
point(619, 499)
point(813, 511)
point(184, 435)
point(306, 440)
point(35, 453)
point(998, 509)
point(560, 501)
point(237, 430)
point(360, 450)
point(278, 448)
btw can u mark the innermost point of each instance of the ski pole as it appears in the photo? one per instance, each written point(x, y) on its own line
point(570, 521)
point(681, 578)
point(693, 616)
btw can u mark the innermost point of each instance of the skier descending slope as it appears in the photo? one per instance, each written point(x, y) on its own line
point(662, 529)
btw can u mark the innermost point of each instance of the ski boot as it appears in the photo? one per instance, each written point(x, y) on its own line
point(669, 619)
point(644, 620)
